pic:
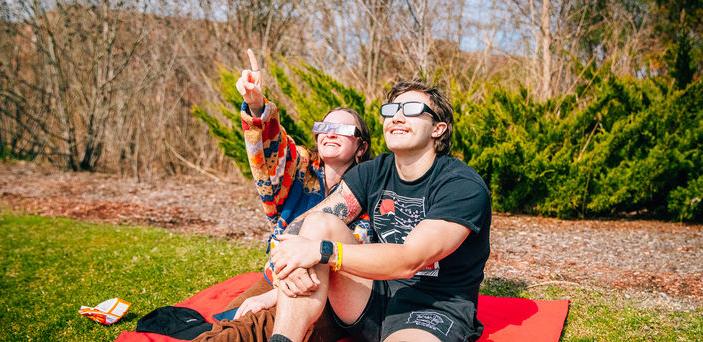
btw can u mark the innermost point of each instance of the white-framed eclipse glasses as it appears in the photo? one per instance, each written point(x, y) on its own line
point(336, 128)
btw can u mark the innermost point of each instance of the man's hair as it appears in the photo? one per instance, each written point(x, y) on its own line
point(438, 102)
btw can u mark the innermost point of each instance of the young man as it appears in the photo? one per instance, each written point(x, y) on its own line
point(432, 214)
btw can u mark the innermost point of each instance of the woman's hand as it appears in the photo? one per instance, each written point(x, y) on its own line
point(257, 303)
point(300, 282)
point(249, 86)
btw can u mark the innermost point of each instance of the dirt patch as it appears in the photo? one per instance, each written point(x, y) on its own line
point(662, 259)
point(227, 208)
point(657, 263)
point(104, 211)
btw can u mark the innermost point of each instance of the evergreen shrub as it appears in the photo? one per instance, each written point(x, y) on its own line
point(615, 147)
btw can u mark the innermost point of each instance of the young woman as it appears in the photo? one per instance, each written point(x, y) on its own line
point(290, 179)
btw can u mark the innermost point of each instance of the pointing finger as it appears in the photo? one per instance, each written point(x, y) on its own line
point(252, 60)
point(256, 73)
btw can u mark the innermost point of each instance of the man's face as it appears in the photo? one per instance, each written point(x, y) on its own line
point(409, 134)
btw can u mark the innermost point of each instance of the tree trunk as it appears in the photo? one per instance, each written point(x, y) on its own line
point(546, 41)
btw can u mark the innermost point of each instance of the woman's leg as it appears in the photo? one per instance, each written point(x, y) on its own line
point(259, 287)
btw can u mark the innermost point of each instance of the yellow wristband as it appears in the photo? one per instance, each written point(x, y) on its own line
point(340, 252)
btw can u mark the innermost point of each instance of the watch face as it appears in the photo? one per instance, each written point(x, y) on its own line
point(326, 248)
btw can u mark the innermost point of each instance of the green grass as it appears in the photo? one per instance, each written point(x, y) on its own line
point(596, 315)
point(50, 267)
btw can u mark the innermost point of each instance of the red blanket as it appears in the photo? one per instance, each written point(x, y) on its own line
point(504, 319)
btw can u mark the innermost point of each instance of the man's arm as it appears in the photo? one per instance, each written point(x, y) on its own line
point(429, 242)
point(341, 203)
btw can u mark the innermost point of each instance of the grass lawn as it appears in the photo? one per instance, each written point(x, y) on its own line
point(53, 266)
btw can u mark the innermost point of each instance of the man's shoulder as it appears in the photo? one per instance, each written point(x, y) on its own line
point(365, 172)
point(453, 170)
point(379, 162)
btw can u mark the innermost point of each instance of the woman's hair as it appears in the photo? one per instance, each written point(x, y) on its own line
point(364, 136)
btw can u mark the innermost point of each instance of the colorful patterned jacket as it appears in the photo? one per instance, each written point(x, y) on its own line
point(288, 182)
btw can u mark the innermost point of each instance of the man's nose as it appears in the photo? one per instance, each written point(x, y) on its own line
point(399, 116)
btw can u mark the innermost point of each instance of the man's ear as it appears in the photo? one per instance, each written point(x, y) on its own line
point(439, 129)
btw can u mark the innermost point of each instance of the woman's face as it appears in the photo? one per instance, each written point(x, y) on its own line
point(336, 148)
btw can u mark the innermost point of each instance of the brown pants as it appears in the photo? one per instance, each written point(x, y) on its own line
point(259, 326)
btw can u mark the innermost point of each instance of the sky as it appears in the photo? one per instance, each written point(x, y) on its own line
point(489, 18)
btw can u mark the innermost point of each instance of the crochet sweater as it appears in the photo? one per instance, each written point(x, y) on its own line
point(287, 180)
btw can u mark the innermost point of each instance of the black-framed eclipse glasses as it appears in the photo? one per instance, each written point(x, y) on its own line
point(412, 108)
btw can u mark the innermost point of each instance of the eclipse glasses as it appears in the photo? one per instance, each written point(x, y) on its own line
point(336, 128)
point(412, 108)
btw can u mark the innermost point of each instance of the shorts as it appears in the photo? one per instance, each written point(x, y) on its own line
point(393, 307)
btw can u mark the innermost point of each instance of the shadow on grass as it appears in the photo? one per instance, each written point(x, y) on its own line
point(502, 287)
point(130, 316)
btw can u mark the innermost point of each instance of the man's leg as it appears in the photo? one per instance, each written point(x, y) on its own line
point(348, 294)
point(411, 335)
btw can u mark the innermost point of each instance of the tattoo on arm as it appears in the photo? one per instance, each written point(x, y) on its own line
point(352, 204)
point(344, 205)
point(294, 227)
point(340, 210)
point(340, 203)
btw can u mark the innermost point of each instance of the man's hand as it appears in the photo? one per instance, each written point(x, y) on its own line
point(249, 85)
point(257, 303)
point(300, 282)
point(294, 252)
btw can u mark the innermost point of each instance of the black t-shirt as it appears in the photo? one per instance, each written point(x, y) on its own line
point(451, 191)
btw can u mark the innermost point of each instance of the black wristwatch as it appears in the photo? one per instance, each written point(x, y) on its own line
point(326, 250)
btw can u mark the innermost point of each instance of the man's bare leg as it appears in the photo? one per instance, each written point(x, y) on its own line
point(411, 335)
point(295, 315)
point(348, 294)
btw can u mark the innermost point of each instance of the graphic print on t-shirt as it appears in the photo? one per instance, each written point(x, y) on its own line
point(395, 216)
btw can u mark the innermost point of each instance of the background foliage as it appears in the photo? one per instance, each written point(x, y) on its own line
point(568, 107)
point(614, 147)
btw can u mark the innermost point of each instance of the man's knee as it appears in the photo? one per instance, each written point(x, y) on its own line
point(322, 225)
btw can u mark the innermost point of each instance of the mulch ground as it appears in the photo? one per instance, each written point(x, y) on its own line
point(655, 263)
